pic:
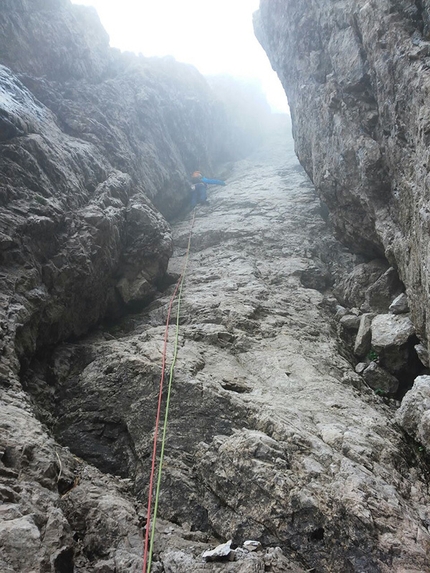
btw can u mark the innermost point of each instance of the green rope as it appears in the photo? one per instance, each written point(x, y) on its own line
point(166, 413)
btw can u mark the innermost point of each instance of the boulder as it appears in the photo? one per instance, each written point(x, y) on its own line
point(364, 335)
point(414, 412)
point(400, 304)
point(391, 336)
point(422, 354)
point(348, 327)
point(350, 322)
point(378, 296)
point(389, 330)
point(380, 380)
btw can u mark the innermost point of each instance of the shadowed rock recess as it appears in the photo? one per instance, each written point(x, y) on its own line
point(287, 446)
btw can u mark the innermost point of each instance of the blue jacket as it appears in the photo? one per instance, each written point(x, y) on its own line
point(212, 181)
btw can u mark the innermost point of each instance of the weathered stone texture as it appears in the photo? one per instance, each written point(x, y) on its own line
point(414, 413)
point(96, 148)
point(357, 78)
point(92, 142)
point(272, 435)
point(268, 439)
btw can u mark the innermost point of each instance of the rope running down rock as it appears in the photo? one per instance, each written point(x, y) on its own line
point(148, 547)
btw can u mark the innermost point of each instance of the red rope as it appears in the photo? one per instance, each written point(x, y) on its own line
point(157, 423)
point(157, 419)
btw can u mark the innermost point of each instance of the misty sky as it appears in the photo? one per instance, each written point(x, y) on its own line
point(214, 35)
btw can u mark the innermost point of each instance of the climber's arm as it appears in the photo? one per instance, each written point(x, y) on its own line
point(213, 181)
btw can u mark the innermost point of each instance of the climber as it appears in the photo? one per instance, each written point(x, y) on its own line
point(199, 187)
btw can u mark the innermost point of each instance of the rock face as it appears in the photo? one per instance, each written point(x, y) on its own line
point(267, 438)
point(273, 438)
point(96, 148)
point(357, 78)
point(91, 141)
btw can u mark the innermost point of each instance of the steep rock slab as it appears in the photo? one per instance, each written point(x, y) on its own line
point(267, 440)
point(90, 141)
point(50, 38)
point(153, 118)
point(54, 507)
point(357, 78)
point(68, 227)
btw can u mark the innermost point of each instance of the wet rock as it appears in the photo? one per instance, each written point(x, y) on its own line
point(96, 145)
point(284, 463)
point(414, 412)
point(299, 460)
point(400, 304)
point(96, 148)
point(380, 380)
point(74, 238)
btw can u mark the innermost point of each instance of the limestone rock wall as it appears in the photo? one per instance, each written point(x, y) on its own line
point(357, 77)
point(96, 148)
point(272, 436)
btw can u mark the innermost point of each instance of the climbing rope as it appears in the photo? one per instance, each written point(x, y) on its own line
point(149, 545)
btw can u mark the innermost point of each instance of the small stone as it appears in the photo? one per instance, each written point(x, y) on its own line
point(341, 311)
point(250, 545)
point(350, 322)
point(361, 366)
point(400, 304)
point(220, 553)
point(169, 530)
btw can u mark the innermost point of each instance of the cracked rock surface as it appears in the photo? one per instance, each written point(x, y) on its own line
point(357, 77)
point(267, 438)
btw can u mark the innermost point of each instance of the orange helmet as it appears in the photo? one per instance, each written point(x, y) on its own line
point(196, 177)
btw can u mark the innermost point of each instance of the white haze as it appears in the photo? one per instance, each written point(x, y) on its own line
point(216, 36)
